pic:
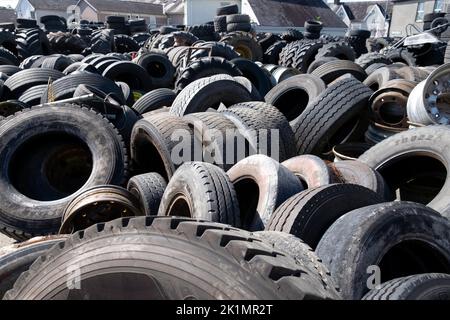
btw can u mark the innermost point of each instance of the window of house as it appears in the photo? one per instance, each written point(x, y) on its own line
point(438, 6)
point(420, 10)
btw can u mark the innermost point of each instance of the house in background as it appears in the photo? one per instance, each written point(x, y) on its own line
point(35, 9)
point(7, 15)
point(174, 11)
point(366, 15)
point(407, 12)
point(267, 15)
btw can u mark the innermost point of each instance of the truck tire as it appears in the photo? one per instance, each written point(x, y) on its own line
point(148, 189)
point(155, 99)
point(401, 238)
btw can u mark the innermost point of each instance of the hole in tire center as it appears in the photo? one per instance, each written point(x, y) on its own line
point(443, 103)
point(392, 112)
point(412, 257)
point(342, 134)
point(179, 207)
point(247, 191)
point(49, 167)
point(156, 69)
point(148, 159)
point(414, 177)
point(292, 103)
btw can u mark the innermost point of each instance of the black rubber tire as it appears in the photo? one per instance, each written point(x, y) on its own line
point(206, 93)
point(268, 40)
point(17, 258)
point(8, 39)
point(215, 132)
point(152, 144)
point(356, 172)
point(256, 96)
point(220, 24)
point(238, 18)
point(155, 99)
point(301, 252)
point(159, 68)
point(130, 73)
point(368, 59)
point(7, 57)
point(293, 95)
point(339, 50)
point(313, 26)
point(245, 44)
point(23, 80)
point(124, 43)
point(300, 54)
point(10, 107)
point(59, 63)
point(32, 96)
point(312, 35)
point(380, 77)
point(65, 87)
point(227, 10)
point(269, 275)
point(292, 35)
point(32, 42)
point(217, 49)
point(428, 286)
point(194, 182)
point(332, 70)
point(203, 68)
point(148, 189)
point(24, 217)
point(115, 19)
point(405, 145)
point(324, 120)
point(318, 62)
point(312, 171)
point(401, 238)
point(309, 214)
point(261, 118)
point(262, 185)
point(9, 70)
point(255, 74)
point(272, 54)
point(402, 55)
point(374, 67)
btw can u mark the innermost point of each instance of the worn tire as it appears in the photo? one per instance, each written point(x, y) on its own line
point(26, 209)
point(402, 238)
point(269, 275)
point(428, 286)
point(339, 50)
point(309, 214)
point(194, 182)
point(332, 70)
point(130, 73)
point(386, 157)
point(153, 100)
point(23, 80)
point(255, 74)
point(245, 44)
point(323, 120)
point(262, 185)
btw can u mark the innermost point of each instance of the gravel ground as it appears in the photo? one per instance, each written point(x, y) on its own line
point(4, 240)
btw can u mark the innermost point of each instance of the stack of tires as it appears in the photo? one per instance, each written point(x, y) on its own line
point(118, 24)
point(313, 29)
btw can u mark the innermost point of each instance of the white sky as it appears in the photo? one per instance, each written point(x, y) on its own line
point(11, 3)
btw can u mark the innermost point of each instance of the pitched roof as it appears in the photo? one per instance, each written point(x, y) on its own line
point(7, 15)
point(294, 13)
point(174, 7)
point(126, 6)
point(57, 5)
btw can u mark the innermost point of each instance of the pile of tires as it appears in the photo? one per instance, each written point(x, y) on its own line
point(307, 168)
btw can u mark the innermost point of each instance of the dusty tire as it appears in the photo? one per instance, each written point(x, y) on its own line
point(332, 70)
point(206, 93)
point(339, 50)
point(203, 68)
point(31, 203)
point(23, 80)
point(428, 286)
point(262, 185)
point(17, 258)
point(159, 68)
point(359, 173)
point(155, 99)
point(293, 95)
point(255, 74)
point(152, 144)
point(401, 238)
point(368, 59)
point(317, 129)
point(245, 44)
point(309, 214)
point(148, 189)
point(210, 242)
point(191, 185)
point(402, 165)
point(311, 170)
point(301, 252)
